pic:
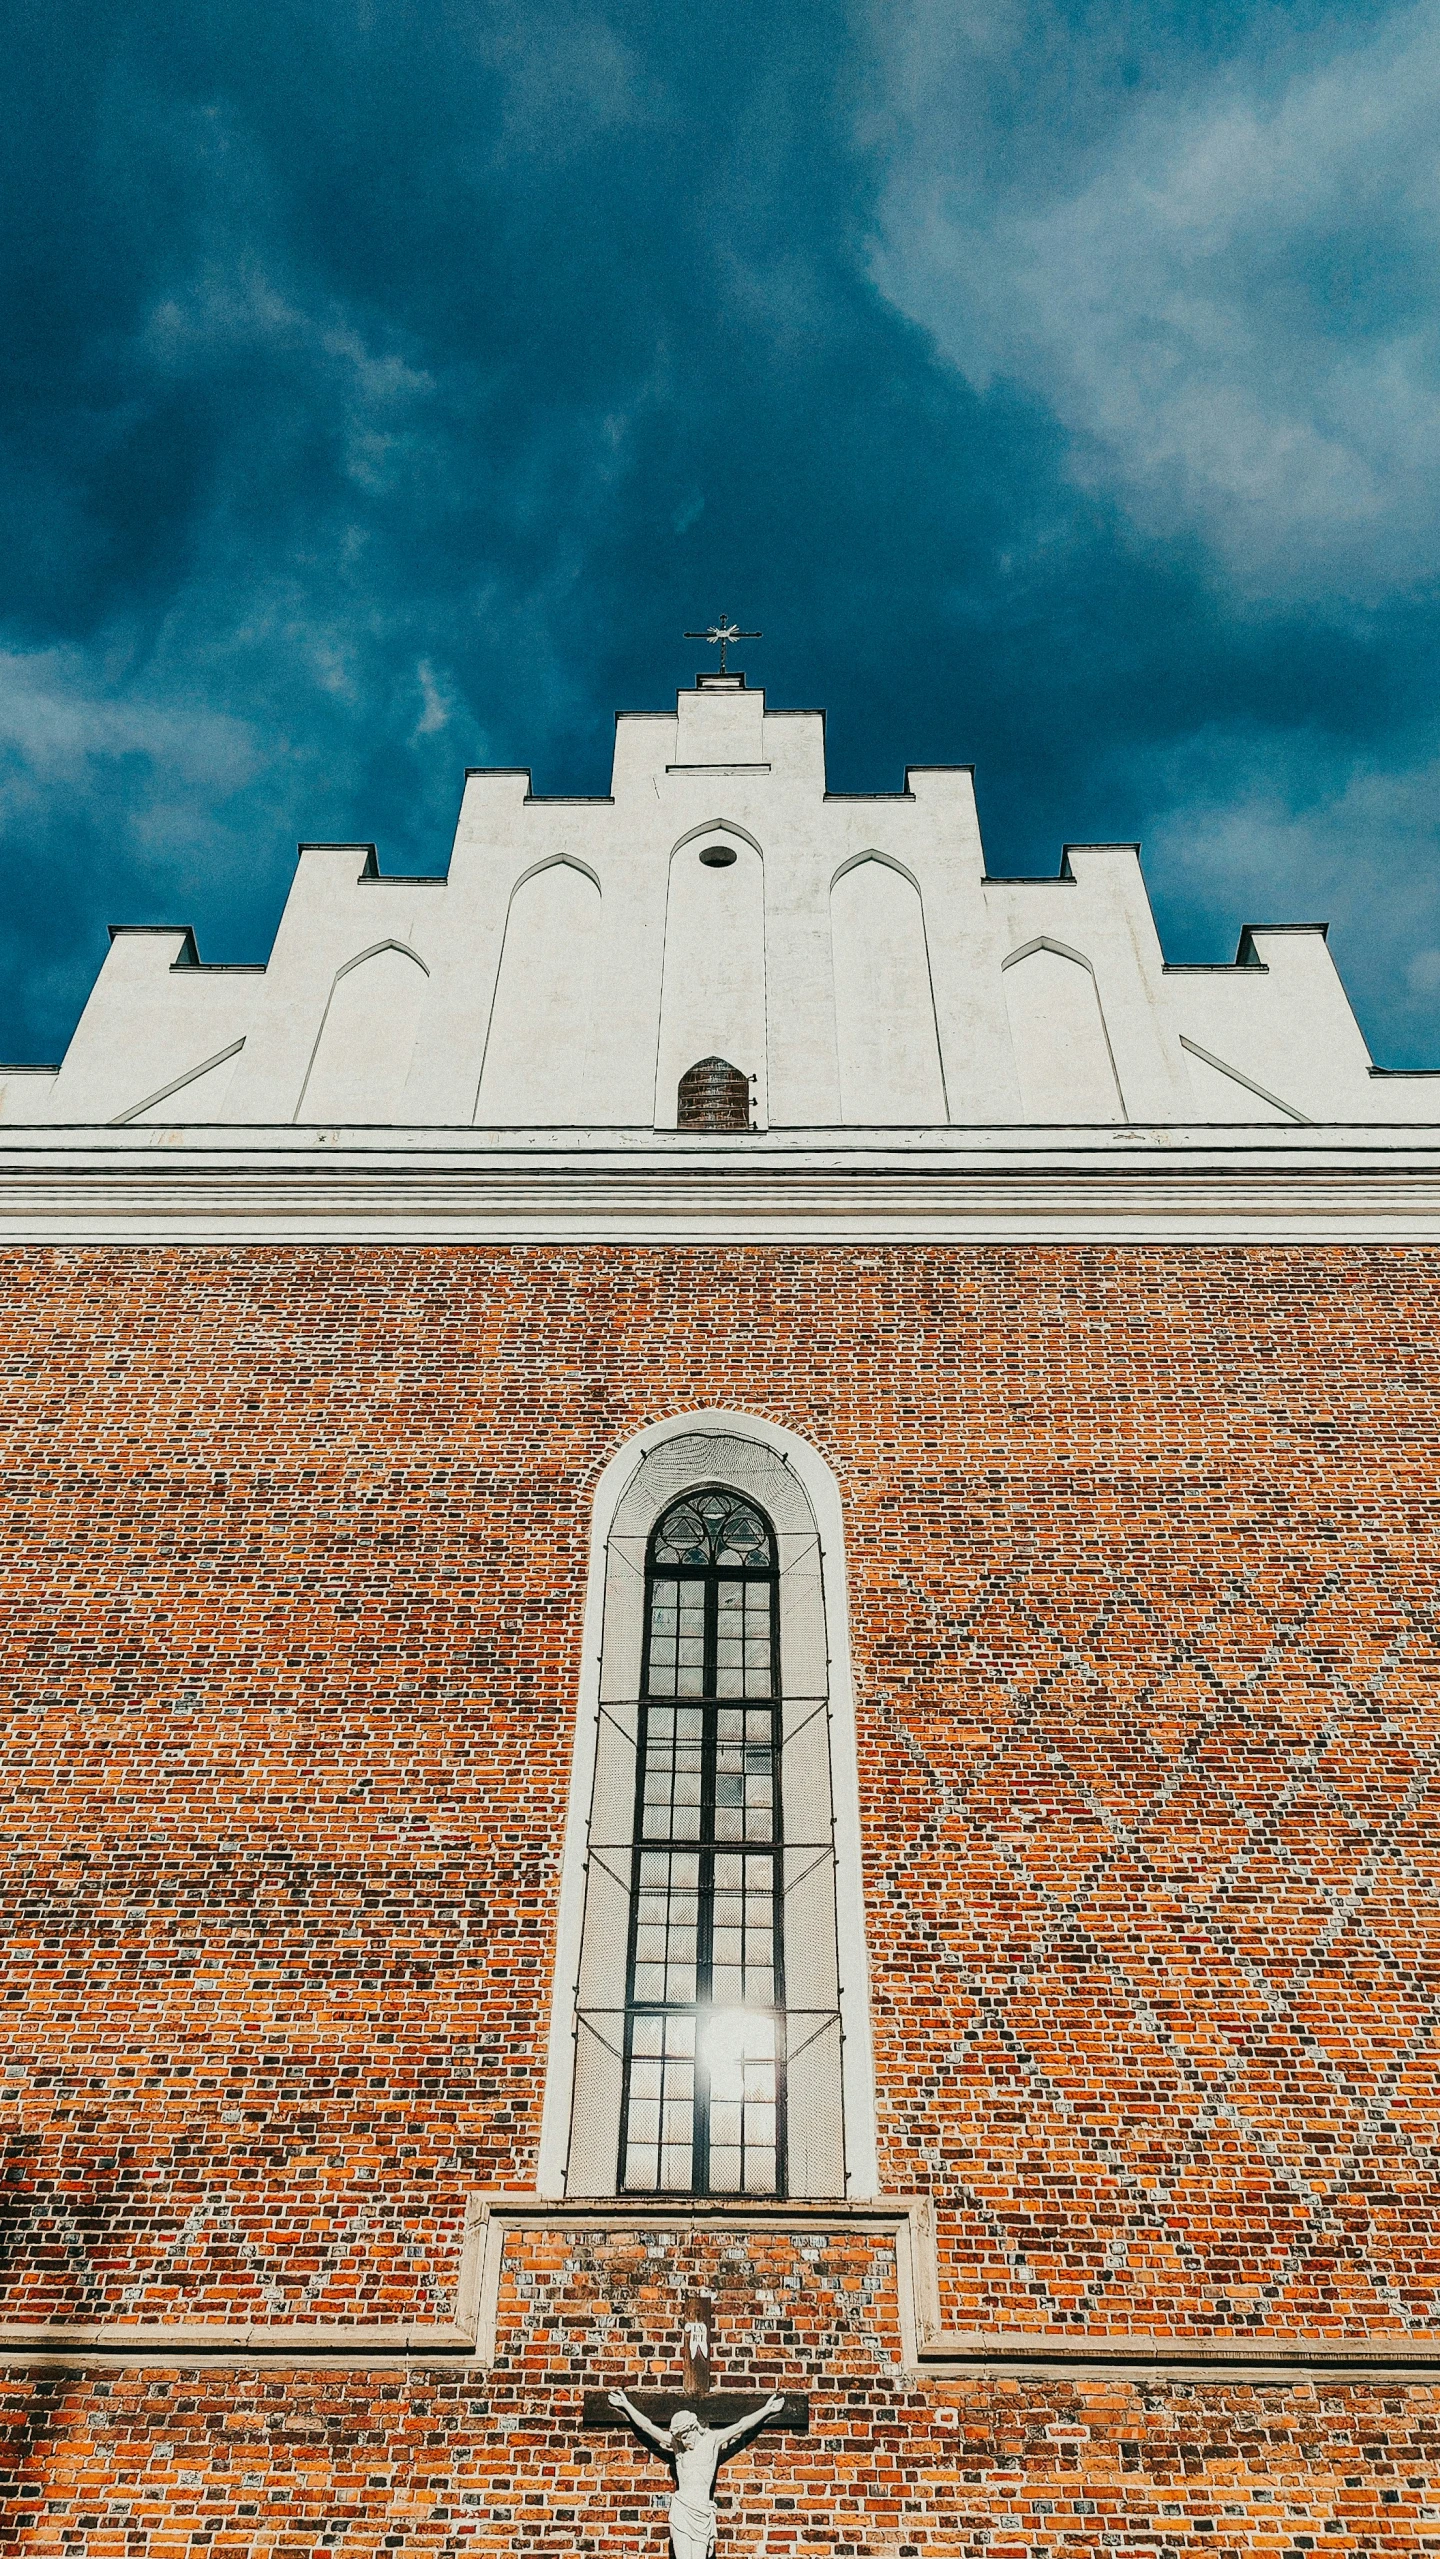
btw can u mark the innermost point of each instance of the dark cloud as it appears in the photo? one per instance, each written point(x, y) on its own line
point(388, 388)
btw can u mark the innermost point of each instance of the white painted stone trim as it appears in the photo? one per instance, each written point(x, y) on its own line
point(178, 1083)
point(314, 1184)
point(1246, 1082)
point(857, 2066)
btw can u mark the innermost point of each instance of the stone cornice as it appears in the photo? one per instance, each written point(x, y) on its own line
point(322, 1185)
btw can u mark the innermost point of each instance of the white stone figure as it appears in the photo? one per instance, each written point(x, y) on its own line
point(696, 2451)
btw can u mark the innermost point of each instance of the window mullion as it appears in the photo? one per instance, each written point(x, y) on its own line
point(777, 1904)
point(705, 1948)
point(637, 1850)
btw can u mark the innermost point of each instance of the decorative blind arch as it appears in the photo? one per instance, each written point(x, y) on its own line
point(1060, 1038)
point(622, 1954)
point(887, 1037)
point(366, 1040)
point(536, 1068)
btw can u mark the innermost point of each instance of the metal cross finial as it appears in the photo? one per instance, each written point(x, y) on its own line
point(724, 631)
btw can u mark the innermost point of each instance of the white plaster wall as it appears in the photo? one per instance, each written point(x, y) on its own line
point(338, 909)
point(609, 991)
point(1286, 1026)
point(151, 1020)
point(200, 1101)
point(1099, 910)
point(536, 1070)
point(1221, 1100)
point(1119, 939)
point(26, 1093)
point(366, 1039)
point(938, 838)
point(720, 729)
point(885, 1034)
point(499, 840)
point(1057, 1026)
point(713, 988)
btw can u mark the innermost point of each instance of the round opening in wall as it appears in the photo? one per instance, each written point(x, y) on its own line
point(718, 857)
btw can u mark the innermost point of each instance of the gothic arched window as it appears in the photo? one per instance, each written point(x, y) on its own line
point(704, 2007)
point(711, 1922)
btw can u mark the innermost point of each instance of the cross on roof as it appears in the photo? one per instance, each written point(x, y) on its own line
point(724, 631)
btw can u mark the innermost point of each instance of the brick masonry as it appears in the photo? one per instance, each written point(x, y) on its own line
point(1143, 1602)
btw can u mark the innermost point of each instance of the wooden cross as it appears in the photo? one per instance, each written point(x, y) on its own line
point(712, 2407)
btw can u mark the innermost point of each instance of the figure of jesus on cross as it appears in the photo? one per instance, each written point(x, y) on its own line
point(697, 2452)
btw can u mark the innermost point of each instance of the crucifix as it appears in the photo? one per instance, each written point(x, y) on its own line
point(724, 631)
point(695, 2428)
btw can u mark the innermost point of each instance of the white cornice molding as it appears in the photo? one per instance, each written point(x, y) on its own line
point(480, 1186)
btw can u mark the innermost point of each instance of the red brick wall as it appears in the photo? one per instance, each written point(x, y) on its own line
point(238, 2462)
point(1143, 1593)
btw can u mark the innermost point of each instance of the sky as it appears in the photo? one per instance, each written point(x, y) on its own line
point(386, 388)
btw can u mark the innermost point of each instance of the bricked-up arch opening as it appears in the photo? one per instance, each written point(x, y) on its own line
point(701, 1653)
point(713, 1095)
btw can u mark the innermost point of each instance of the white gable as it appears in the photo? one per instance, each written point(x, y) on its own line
point(847, 955)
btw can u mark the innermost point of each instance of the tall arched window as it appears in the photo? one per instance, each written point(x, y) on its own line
point(704, 2010)
point(710, 2033)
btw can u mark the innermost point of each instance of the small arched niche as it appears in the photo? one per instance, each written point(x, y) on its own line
point(367, 1038)
point(713, 1095)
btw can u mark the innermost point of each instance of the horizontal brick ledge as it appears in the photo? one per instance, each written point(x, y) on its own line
point(235, 2337)
point(1217, 2356)
point(909, 2218)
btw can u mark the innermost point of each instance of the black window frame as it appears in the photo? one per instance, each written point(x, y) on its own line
point(708, 1846)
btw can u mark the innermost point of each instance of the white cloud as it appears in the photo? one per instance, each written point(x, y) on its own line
point(57, 719)
point(561, 86)
point(1305, 841)
point(1228, 293)
point(233, 307)
point(438, 703)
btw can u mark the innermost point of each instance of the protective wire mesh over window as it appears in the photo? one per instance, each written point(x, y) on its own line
point(703, 2110)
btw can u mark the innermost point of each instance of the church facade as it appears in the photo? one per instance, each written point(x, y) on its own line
point(722, 1669)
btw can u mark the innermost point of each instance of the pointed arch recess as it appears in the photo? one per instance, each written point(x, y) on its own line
point(887, 1026)
point(1069, 1083)
point(717, 826)
point(577, 1054)
point(714, 973)
point(373, 953)
point(380, 1065)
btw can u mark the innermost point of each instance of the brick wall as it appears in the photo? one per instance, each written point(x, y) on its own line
point(1143, 1594)
point(239, 2462)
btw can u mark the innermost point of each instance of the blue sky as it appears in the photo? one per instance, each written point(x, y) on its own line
point(387, 387)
